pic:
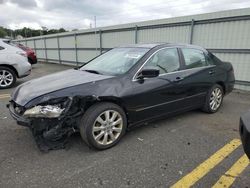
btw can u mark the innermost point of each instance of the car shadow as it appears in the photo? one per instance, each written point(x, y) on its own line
point(76, 142)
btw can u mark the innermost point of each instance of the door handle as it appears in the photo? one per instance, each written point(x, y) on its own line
point(177, 79)
point(211, 72)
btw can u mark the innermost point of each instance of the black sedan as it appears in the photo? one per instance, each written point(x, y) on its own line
point(121, 88)
point(245, 132)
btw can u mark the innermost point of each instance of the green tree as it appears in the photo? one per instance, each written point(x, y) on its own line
point(27, 32)
point(3, 33)
point(61, 30)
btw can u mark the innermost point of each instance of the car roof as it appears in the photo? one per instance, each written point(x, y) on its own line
point(142, 45)
point(8, 46)
point(160, 44)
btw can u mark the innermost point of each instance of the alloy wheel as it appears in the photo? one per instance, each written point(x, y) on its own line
point(107, 127)
point(6, 78)
point(215, 99)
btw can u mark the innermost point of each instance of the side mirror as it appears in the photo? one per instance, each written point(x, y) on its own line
point(148, 73)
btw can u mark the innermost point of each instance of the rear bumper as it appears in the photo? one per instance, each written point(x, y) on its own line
point(23, 69)
point(230, 87)
point(245, 132)
point(32, 59)
point(25, 74)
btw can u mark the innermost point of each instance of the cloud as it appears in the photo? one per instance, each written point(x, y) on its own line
point(86, 7)
point(24, 3)
point(72, 14)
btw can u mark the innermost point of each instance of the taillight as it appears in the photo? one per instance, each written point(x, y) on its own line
point(24, 54)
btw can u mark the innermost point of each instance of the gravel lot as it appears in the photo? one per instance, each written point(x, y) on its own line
point(154, 155)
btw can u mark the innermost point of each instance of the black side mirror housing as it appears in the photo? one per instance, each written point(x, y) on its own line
point(148, 73)
point(245, 132)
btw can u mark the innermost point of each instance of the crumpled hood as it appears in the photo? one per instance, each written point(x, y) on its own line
point(51, 83)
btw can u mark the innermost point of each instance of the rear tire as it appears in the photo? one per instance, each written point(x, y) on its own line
point(7, 78)
point(214, 99)
point(103, 125)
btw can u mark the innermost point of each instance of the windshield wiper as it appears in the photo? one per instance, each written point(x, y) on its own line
point(93, 71)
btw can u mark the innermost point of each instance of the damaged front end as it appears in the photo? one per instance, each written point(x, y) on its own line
point(51, 122)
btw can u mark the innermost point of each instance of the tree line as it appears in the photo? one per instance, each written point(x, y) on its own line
point(27, 32)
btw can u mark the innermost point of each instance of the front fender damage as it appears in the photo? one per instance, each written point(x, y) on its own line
point(54, 133)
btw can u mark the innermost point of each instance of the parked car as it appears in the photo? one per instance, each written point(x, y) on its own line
point(30, 52)
point(13, 64)
point(121, 88)
point(245, 132)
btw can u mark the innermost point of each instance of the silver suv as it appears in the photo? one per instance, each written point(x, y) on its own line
point(13, 64)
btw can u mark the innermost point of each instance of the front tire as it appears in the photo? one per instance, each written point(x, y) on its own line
point(7, 78)
point(103, 125)
point(214, 99)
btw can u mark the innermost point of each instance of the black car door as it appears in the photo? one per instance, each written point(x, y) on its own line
point(199, 75)
point(152, 97)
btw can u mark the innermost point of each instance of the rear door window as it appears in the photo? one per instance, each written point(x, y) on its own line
point(194, 58)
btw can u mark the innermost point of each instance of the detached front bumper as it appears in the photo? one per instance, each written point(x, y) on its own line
point(49, 133)
point(19, 118)
point(245, 132)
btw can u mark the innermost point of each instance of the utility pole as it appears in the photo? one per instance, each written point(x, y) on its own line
point(25, 32)
point(14, 31)
point(11, 33)
point(95, 34)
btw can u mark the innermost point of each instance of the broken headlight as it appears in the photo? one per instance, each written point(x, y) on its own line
point(50, 109)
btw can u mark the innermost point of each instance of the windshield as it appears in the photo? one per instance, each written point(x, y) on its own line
point(116, 61)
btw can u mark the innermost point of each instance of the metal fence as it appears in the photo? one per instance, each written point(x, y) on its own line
point(226, 34)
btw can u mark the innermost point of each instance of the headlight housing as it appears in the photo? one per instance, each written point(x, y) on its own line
point(48, 111)
point(51, 109)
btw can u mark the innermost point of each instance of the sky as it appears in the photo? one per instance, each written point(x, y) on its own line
point(79, 14)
